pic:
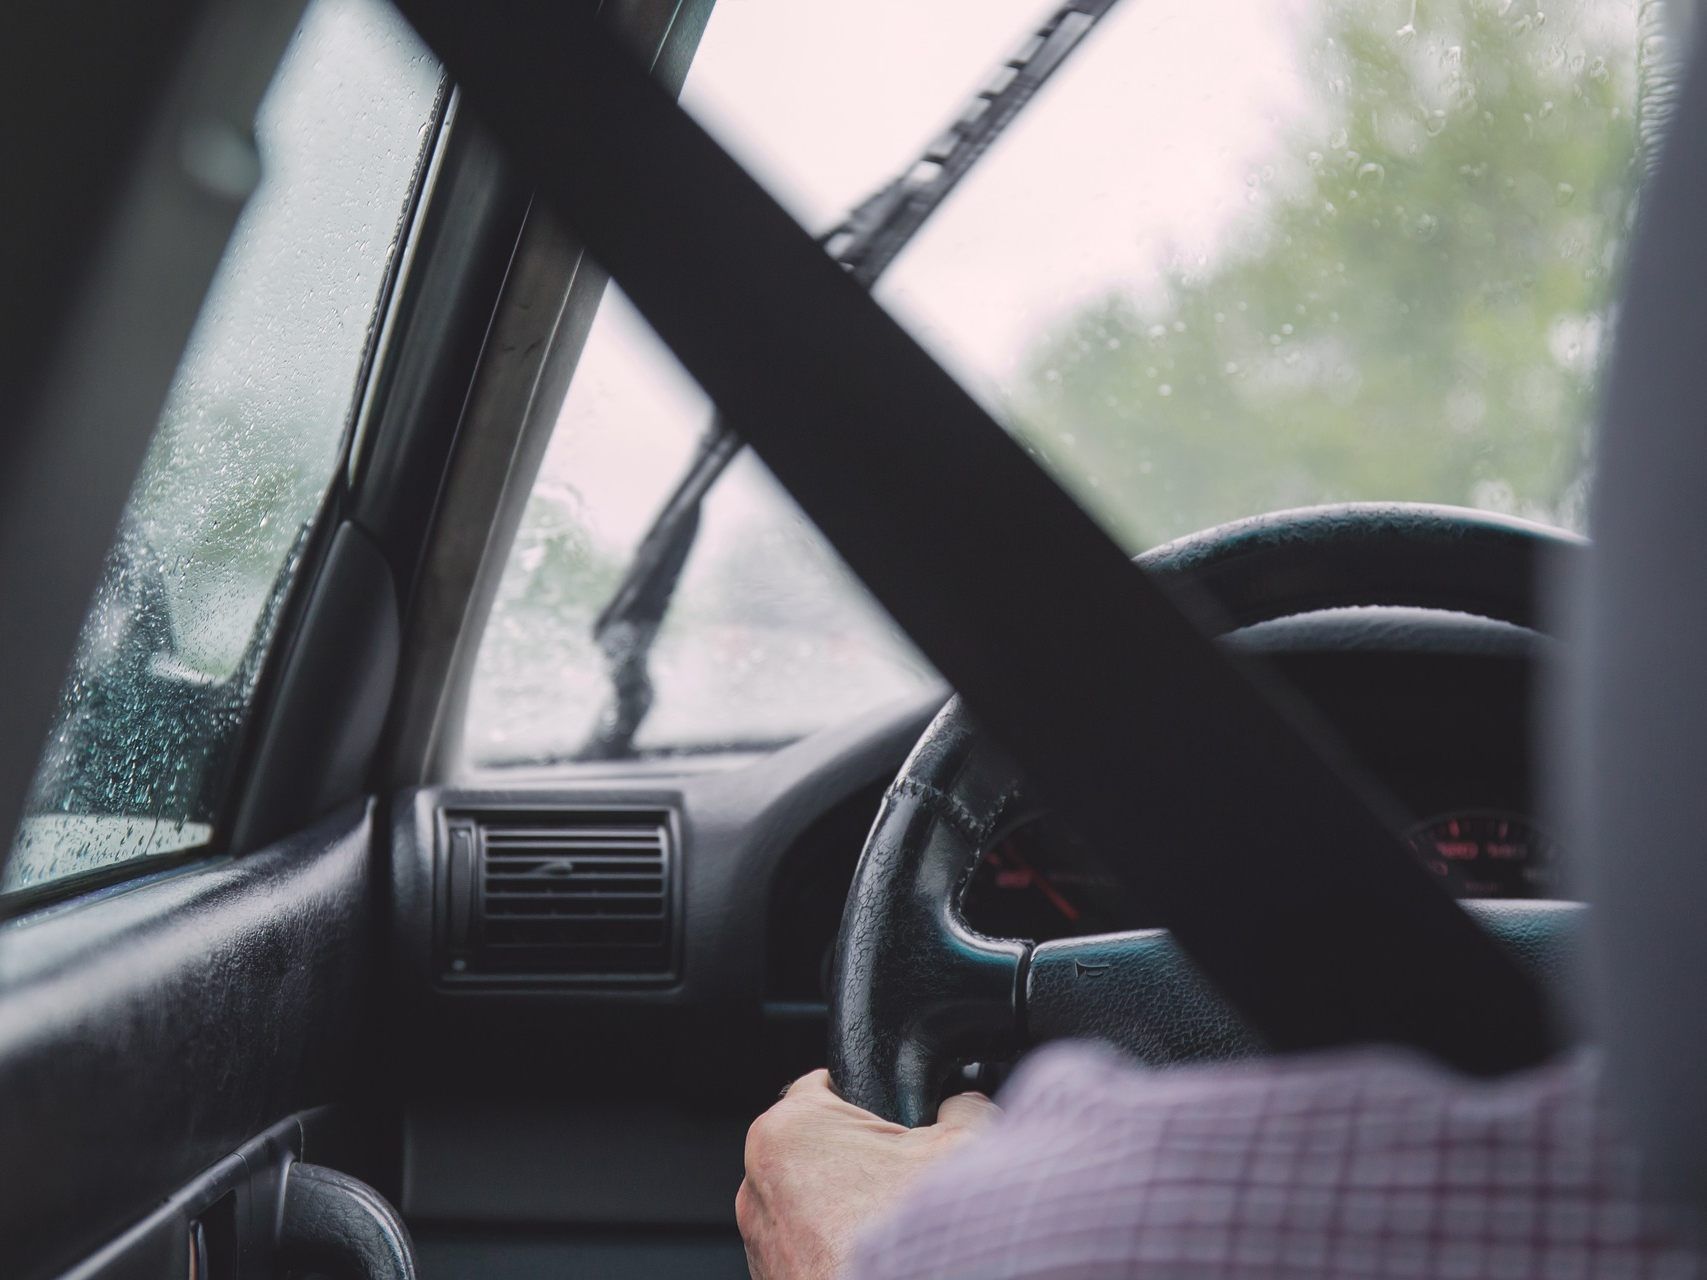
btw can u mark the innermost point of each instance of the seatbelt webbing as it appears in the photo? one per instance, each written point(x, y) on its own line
point(1277, 872)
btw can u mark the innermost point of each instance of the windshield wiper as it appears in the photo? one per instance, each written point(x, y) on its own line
point(864, 242)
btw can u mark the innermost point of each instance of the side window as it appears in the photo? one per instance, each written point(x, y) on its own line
point(138, 758)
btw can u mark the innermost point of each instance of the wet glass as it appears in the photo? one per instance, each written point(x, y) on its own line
point(768, 636)
point(166, 667)
point(1245, 258)
point(1234, 259)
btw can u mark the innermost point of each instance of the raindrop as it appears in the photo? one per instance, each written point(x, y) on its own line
point(1408, 32)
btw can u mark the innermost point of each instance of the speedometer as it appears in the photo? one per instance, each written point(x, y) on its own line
point(1036, 882)
point(1487, 854)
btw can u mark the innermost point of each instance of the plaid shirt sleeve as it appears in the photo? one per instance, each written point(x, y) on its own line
point(1367, 1164)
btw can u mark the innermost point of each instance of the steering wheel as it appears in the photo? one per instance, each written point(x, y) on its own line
point(917, 991)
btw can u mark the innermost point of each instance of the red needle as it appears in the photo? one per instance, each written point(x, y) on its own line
point(1057, 899)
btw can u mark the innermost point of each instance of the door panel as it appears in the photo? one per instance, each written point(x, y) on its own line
point(146, 1033)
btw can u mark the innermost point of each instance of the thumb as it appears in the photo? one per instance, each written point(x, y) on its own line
point(968, 1111)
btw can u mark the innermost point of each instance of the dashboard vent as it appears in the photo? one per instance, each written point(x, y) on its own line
point(569, 895)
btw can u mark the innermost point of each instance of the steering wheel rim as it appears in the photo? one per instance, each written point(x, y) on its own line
point(915, 988)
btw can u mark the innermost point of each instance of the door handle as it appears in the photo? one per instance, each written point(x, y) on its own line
point(341, 1227)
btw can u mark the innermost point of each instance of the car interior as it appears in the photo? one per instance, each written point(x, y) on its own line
point(575, 562)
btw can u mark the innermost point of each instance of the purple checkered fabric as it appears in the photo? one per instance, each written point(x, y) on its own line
point(1369, 1164)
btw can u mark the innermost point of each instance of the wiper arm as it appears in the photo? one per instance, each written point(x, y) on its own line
point(865, 242)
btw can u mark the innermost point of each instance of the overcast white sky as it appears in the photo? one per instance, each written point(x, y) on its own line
point(1144, 145)
point(1140, 147)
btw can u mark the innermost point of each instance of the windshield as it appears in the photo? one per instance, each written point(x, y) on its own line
point(1233, 259)
point(1249, 257)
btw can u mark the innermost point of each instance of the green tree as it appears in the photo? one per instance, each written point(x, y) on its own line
point(1419, 318)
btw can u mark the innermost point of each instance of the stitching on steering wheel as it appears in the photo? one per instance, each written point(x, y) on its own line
point(950, 809)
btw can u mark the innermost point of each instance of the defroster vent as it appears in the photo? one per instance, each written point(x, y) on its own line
point(583, 896)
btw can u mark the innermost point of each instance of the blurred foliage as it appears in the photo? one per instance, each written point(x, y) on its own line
point(1419, 313)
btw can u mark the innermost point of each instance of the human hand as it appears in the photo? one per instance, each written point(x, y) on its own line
point(819, 1169)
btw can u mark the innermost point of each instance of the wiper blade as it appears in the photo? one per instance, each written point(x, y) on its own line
point(870, 237)
point(628, 625)
point(864, 242)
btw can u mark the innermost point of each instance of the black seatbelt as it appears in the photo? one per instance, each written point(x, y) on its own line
point(1278, 873)
point(864, 242)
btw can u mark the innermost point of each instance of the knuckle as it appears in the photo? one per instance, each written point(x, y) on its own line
point(744, 1207)
point(760, 1136)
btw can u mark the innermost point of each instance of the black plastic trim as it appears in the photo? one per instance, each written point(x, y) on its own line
point(445, 954)
point(736, 825)
point(333, 687)
point(224, 1218)
point(147, 1032)
point(462, 253)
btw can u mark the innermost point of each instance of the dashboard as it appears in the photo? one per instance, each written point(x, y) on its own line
point(723, 994)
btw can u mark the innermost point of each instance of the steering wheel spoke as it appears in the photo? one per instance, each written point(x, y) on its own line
point(1139, 992)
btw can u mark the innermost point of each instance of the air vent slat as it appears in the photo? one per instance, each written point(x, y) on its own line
point(579, 866)
point(496, 903)
point(544, 907)
point(615, 840)
point(633, 932)
point(627, 887)
point(543, 878)
point(583, 897)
